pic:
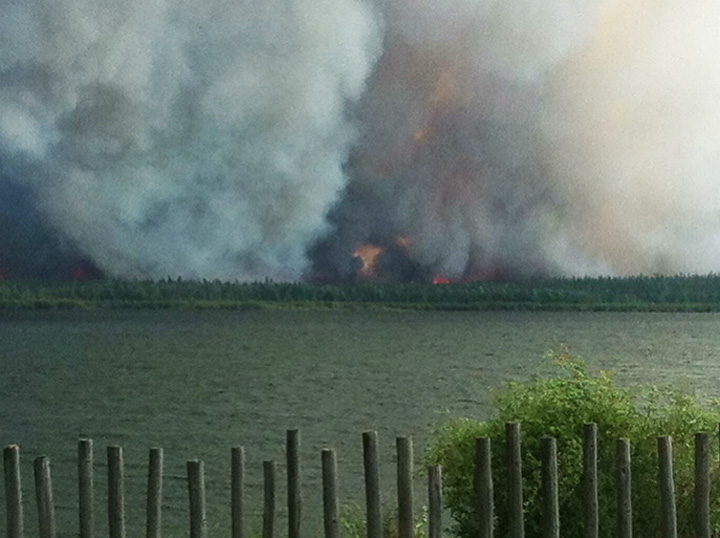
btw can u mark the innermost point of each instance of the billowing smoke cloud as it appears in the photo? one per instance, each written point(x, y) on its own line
point(184, 138)
point(29, 248)
point(472, 139)
point(632, 138)
point(452, 130)
point(510, 139)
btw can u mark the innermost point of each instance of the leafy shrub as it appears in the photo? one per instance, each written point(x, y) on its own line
point(560, 407)
point(353, 523)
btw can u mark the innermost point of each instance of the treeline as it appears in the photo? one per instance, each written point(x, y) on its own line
point(644, 293)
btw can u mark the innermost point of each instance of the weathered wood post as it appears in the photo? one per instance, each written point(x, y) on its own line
point(702, 485)
point(667, 487)
point(590, 481)
point(153, 506)
point(237, 486)
point(623, 479)
point(484, 487)
point(294, 500)
point(85, 488)
point(13, 492)
point(116, 492)
point(551, 514)
point(435, 502)
point(515, 493)
point(196, 490)
point(44, 496)
point(406, 523)
point(371, 463)
point(268, 499)
point(331, 504)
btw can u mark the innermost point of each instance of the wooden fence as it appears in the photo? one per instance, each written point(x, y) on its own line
point(331, 513)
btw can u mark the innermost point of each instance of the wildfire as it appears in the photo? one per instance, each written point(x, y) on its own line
point(388, 260)
point(369, 255)
point(441, 280)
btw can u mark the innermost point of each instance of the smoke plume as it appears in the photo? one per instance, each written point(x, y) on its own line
point(183, 138)
point(515, 139)
point(289, 138)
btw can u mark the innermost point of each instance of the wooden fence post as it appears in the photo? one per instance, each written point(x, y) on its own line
point(153, 506)
point(294, 500)
point(85, 488)
point(116, 492)
point(13, 492)
point(371, 463)
point(484, 487)
point(331, 504)
point(702, 485)
point(268, 499)
point(406, 522)
point(44, 496)
point(551, 514)
point(515, 493)
point(196, 490)
point(435, 502)
point(237, 480)
point(590, 481)
point(667, 487)
point(624, 486)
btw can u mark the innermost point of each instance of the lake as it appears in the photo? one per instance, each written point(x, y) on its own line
point(197, 383)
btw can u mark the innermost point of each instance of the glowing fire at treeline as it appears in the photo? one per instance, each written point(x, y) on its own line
point(374, 259)
point(379, 262)
point(372, 265)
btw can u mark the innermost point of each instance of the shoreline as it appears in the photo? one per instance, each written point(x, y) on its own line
point(200, 305)
point(694, 293)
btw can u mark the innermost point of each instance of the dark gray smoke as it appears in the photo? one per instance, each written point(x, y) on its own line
point(465, 138)
point(29, 248)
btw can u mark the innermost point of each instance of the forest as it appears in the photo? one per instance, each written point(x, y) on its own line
point(682, 293)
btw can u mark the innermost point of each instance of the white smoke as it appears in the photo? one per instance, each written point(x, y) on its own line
point(453, 123)
point(633, 138)
point(547, 136)
point(184, 138)
point(212, 139)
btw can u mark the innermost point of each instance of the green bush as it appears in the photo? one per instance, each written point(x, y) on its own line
point(560, 407)
point(354, 523)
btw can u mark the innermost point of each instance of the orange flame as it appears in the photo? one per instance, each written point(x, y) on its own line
point(369, 255)
point(441, 280)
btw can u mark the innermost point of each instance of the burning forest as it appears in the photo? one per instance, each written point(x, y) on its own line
point(359, 140)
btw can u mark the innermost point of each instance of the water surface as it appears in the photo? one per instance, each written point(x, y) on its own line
point(197, 383)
